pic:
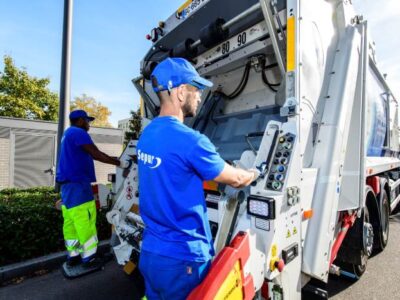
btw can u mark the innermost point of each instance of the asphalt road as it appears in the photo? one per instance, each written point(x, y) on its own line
point(380, 281)
point(110, 283)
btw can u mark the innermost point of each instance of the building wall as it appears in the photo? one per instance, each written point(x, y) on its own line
point(4, 162)
point(108, 140)
point(123, 125)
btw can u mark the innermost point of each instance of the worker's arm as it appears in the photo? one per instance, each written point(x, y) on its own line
point(210, 166)
point(236, 177)
point(96, 154)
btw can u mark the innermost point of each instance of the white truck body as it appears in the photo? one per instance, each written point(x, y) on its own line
point(326, 138)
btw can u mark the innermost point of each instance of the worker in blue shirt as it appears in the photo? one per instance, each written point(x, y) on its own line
point(174, 160)
point(75, 173)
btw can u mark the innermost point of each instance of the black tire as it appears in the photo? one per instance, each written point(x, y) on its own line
point(355, 271)
point(383, 237)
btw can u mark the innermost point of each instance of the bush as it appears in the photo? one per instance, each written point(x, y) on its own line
point(40, 189)
point(31, 226)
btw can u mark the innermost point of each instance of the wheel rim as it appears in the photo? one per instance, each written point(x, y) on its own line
point(368, 238)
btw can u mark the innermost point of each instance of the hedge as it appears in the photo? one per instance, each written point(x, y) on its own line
point(31, 226)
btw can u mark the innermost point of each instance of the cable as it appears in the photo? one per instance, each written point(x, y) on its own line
point(245, 78)
point(271, 66)
point(266, 82)
point(265, 79)
point(242, 83)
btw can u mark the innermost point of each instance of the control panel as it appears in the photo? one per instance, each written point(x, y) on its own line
point(280, 162)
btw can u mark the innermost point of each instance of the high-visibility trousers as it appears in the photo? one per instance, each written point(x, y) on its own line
point(79, 230)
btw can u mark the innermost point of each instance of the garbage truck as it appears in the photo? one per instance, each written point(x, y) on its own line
point(298, 95)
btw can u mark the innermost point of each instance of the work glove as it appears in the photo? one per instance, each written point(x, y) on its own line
point(256, 174)
point(125, 164)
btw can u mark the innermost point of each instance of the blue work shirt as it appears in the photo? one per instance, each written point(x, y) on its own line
point(174, 160)
point(75, 169)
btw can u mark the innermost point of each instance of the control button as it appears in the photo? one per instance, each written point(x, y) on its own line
point(269, 185)
point(278, 154)
point(282, 140)
point(276, 162)
point(281, 169)
point(286, 154)
point(284, 161)
point(290, 139)
point(271, 177)
point(279, 177)
point(276, 185)
point(287, 146)
point(280, 265)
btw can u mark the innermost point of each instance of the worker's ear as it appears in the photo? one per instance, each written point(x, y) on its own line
point(79, 122)
point(181, 93)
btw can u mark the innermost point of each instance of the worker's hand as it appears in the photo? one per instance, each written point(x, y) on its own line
point(58, 204)
point(256, 174)
point(125, 164)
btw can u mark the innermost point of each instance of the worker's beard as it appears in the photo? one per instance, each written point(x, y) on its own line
point(188, 109)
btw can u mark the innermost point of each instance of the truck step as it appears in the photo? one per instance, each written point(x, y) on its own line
point(314, 290)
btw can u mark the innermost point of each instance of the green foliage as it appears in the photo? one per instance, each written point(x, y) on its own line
point(135, 127)
point(93, 108)
point(41, 189)
point(25, 96)
point(30, 225)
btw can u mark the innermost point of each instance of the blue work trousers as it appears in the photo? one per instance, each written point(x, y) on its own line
point(168, 278)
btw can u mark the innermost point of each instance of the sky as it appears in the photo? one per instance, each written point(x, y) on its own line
point(383, 19)
point(109, 43)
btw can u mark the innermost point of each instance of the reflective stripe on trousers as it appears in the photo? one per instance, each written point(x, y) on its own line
point(90, 247)
point(73, 247)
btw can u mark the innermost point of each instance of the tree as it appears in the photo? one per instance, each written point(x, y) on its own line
point(25, 96)
point(135, 126)
point(93, 108)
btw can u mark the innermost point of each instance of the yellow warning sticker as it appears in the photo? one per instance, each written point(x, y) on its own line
point(274, 250)
point(288, 235)
point(294, 231)
point(232, 287)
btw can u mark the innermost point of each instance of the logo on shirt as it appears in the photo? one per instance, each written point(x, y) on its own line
point(148, 159)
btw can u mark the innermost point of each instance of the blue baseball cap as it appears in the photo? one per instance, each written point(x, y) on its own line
point(79, 113)
point(172, 72)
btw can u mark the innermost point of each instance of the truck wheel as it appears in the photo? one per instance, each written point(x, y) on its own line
point(382, 240)
point(368, 243)
point(355, 271)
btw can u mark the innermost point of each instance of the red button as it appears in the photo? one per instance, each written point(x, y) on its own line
point(280, 265)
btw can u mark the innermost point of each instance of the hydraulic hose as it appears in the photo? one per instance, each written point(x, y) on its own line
point(265, 78)
point(242, 83)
